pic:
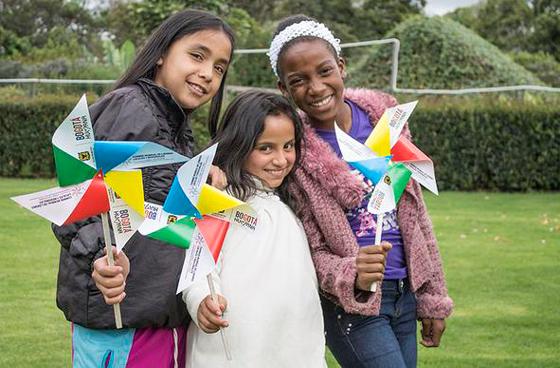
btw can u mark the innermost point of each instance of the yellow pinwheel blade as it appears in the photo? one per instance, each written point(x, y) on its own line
point(128, 185)
point(379, 141)
point(212, 200)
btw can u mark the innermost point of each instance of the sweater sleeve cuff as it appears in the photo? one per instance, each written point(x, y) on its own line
point(433, 306)
point(358, 303)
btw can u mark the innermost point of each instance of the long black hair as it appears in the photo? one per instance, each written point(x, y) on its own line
point(242, 124)
point(178, 25)
point(285, 23)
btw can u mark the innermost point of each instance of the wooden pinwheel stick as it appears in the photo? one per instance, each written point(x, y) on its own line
point(378, 231)
point(215, 299)
point(111, 260)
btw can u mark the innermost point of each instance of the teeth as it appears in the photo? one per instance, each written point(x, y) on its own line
point(197, 88)
point(322, 102)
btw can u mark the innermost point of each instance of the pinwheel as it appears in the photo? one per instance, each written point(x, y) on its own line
point(97, 178)
point(190, 198)
point(197, 216)
point(386, 139)
point(193, 207)
point(390, 177)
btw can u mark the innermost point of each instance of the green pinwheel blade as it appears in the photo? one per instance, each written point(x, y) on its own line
point(178, 233)
point(70, 170)
point(400, 175)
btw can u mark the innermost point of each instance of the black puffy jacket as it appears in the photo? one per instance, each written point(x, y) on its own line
point(140, 112)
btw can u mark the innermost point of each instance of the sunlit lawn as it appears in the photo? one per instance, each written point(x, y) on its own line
point(501, 255)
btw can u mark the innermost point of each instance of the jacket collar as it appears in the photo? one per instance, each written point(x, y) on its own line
point(166, 105)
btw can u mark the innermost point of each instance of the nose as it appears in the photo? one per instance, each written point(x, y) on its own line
point(316, 87)
point(206, 71)
point(280, 159)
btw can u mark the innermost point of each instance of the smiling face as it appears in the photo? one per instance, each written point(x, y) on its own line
point(312, 76)
point(274, 153)
point(193, 67)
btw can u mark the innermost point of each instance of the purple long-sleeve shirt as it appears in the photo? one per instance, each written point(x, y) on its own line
point(362, 222)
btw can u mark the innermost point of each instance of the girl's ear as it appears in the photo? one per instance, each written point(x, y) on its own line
point(342, 67)
point(282, 87)
point(160, 61)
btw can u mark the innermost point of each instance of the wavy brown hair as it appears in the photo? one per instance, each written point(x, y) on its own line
point(242, 124)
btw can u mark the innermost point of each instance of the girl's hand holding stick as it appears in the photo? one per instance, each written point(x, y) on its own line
point(370, 264)
point(111, 261)
point(210, 315)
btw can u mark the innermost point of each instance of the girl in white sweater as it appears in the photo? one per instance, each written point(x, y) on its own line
point(265, 278)
point(267, 289)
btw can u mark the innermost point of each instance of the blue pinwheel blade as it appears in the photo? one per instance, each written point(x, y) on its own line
point(373, 168)
point(109, 154)
point(178, 203)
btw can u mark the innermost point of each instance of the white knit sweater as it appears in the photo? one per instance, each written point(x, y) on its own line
point(268, 279)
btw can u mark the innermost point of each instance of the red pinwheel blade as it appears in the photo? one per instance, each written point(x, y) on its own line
point(214, 231)
point(405, 151)
point(94, 201)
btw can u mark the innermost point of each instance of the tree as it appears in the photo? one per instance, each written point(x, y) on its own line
point(35, 19)
point(546, 28)
point(350, 20)
point(515, 25)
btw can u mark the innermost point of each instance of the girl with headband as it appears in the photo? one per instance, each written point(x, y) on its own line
point(363, 328)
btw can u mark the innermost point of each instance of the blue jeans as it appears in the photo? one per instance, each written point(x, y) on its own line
point(384, 341)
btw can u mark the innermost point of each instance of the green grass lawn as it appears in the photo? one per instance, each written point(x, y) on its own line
point(501, 254)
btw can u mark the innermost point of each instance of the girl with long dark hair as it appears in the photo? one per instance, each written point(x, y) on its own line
point(182, 66)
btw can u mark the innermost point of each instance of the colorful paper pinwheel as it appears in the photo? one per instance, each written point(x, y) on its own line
point(189, 199)
point(386, 139)
point(196, 216)
point(391, 177)
point(97, 178)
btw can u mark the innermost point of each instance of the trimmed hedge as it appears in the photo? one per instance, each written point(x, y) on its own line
point(474, 146)
point(26, 128)
point(492, 147)
point(437, 52)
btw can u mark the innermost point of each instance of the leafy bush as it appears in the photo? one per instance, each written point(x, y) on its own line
point(251, 70)
point(26, 127)
point(509, 146)
point(437, 52)
point(485, 143)
point(541, 64)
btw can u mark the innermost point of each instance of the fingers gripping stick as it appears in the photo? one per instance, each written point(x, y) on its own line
point(222, 331)
point(378, 231)
point(111, 260)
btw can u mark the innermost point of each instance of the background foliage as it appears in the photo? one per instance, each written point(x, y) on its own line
point(507, 145)
point(440, 53)
point(498, 142)
point(516, 25)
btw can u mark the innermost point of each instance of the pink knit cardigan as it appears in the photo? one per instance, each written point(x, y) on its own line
point(325, 189)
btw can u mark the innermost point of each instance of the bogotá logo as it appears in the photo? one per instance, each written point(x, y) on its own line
point(171, 219)
point(84, 156)
point(387, 180)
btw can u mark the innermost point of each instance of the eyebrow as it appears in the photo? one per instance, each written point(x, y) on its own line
point(273, 143)
point(321, 65)
point(207, 50)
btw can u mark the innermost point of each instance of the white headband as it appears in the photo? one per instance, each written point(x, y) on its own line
point(301, 29)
